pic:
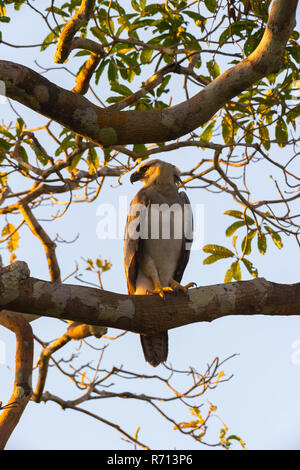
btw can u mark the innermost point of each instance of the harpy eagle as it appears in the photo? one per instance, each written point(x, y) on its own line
point(158, 238)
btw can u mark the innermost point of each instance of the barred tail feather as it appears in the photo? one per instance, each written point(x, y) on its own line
point(155, 347)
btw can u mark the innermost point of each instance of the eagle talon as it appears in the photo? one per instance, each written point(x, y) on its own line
point(160, 291)
point(177, 287)
point(191, 284)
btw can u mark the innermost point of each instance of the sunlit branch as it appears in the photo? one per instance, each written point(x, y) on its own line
point(80, 18)
point(12, 413)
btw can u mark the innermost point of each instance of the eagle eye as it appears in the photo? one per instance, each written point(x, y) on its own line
point(145, 168)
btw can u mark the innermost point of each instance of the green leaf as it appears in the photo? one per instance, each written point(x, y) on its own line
point(264, 135)
point(275, 237)
point(13, 241)
point(18, 4)
point(4, 145)
point(114, 99)
point(162, 87)
point(146, 56)
point(234, 213)
point(23, 154)
point(92, 160)
point(232, 228)
point(19, 126)
point(75, 162)
point(248, 134)
point(236, 271)
point(240, 215)
point(139, 148)
point(240, 28)
point(121, 89)
point(103, 265)
point(40, 154)
point(271, 78)
point(211, 5)
point(112, 72)
point(90, 262)
point(48, 40)
point(58, 11)
point(252, 43)
point(250, 268)
point(234, 240)
point(227, 130)
point(81, 53)
point(130, 75)
point(135, 5)
point(169, 59)
point(68, 142)
point(281, 132)
point(98, 34)
point(213, 68)
point(246, 243)
point(207, 133)
point(262, 243)
point(107, 154)
point(6, 133)
point(100, 70)
point(213, 258)
point(292, 115)
point(218, 250)
point(229, 275)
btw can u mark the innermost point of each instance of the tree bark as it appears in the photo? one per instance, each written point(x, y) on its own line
point(126, 127)
point(22, 391)
point(141, 313)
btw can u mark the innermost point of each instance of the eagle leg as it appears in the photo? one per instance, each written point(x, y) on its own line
point(176, 286)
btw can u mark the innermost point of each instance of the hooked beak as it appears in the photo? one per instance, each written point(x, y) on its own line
point(178, 180)
point(135, 177)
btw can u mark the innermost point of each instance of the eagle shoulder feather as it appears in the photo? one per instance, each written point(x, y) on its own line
point(185, 251)
point(132, 246)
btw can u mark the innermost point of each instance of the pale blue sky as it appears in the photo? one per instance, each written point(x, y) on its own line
point(261, 402)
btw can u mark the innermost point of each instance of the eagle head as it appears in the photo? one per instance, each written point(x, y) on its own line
point(156, 172)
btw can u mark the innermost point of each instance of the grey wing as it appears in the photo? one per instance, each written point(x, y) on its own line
point(187, 238)
point(132, 246)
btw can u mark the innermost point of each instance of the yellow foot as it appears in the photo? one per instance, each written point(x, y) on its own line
point(178, 287)
point(160, 291)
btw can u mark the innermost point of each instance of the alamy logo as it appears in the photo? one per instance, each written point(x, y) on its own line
point(295, 91)
point(159, 221)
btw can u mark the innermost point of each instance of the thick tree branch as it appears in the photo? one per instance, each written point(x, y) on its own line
point(157, 125)
point(84, 76)
point(22, 387)
point(64, 44)
point(88, 45)
point(143, 314)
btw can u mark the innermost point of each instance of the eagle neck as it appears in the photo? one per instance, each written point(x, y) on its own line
point(162, 185)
